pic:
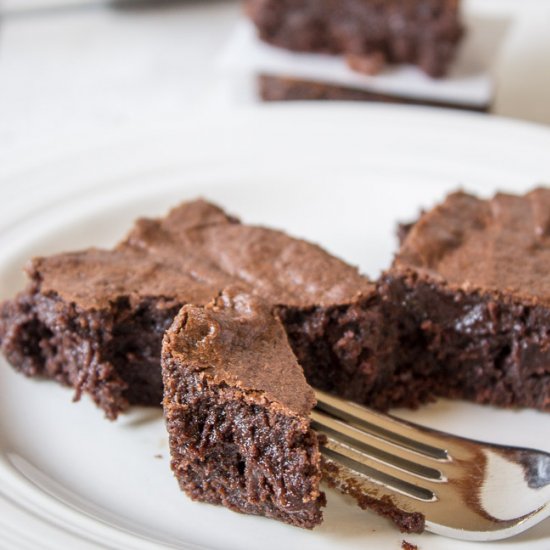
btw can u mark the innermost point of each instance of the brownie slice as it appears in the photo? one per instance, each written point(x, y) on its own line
point(279, 88)
point(421, 32)
point(470, 286)
point(95, 319)
point(237, 407)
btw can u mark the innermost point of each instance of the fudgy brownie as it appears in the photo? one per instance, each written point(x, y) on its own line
point(471, 287)
point(422, 32)
point(278, 88)
point(237, 408)
point(95, 319)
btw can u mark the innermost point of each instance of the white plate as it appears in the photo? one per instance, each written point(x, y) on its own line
point(341, 175)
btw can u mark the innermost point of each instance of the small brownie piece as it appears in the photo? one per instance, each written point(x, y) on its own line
point(422, 32)
point(279, 88)
point(95, 319)
point(471, 287)
point(237, 407)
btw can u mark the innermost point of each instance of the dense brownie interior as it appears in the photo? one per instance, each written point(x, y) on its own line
point(237, 411)
point(112, 354)
point(422, 32)
point(475, 346)
point(350, 351)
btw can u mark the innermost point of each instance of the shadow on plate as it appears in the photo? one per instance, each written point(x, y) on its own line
point(140, 416)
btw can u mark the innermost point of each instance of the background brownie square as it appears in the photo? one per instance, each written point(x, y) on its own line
point(471, 285)
point(421, 32)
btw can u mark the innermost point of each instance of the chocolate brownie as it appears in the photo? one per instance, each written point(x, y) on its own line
point(278, 88)
point(422, 32)
point(94, 319)
point(472, 288)
point(237, 407)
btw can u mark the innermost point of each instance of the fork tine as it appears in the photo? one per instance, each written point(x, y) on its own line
point(449, 485)
point(374, 472)
point(376, 451)
point(349, 457)
point(422, 441)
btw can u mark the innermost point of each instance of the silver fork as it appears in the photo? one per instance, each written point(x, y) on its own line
point(465, 489)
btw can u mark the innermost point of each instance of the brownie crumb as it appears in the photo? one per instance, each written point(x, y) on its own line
point(405, 545)
point(337, 478)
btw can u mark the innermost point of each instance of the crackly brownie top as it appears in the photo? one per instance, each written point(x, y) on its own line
point(501, 244)
point(191, 255)
point(237, 340)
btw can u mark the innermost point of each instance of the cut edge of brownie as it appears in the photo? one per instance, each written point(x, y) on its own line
point(482, 346)
point(353, 351)
point(111, 354)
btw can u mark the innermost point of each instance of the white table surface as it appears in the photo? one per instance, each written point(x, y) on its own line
point(92, 70)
